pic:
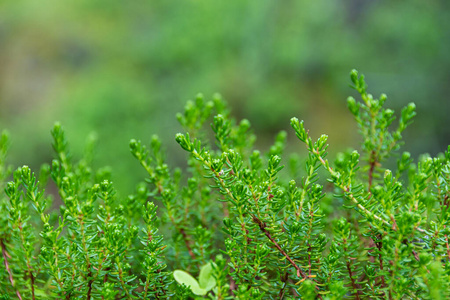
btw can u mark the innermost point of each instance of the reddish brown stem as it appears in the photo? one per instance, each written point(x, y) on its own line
point(373, 162)
point(5, 261)
point(32, 286)
point(185, 237)
point(88, 296)
point(262, 226)
point(349, 269)
point(379, 245)
point(186, 241)
point(281, 293)
point(383, 282)
point(300, 273)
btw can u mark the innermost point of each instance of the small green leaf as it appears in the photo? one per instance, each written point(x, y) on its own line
point(186, 278)
point(206, 278)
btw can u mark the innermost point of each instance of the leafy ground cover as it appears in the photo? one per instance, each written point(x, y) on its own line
point(236, 222)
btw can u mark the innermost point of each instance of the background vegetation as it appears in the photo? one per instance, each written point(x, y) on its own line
point(124, 68)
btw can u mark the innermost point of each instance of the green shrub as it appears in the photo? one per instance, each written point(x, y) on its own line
point(232, 219)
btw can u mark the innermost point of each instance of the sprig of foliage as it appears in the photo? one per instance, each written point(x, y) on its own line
point(86, 251)
point(234, 218)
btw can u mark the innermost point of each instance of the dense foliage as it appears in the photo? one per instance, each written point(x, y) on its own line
point(347, 228)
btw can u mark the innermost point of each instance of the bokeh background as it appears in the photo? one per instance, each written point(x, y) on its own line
point(124, 68)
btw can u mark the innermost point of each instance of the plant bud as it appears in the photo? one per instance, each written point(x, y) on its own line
point(292, 185)
point(383, 99)
point(133, 144)
point(355, 157)
point(274, 161)
point(10, 189)
point(295, 227)
point(354, 76)
point(183, 141)
point(388, 113)
point(406, 156)
point(218, 121)
point(411, 107)
point(322, 238)
point(244, 125)
point(387, 176)
point(179, 117)
point(353, 106)
point(199, 99)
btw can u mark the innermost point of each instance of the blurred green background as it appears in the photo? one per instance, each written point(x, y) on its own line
point(124, 68)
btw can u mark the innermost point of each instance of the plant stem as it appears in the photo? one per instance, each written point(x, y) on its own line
point(281, 294)
point(347, 189)
point(22, 237)
point(302, 197)
point(372, 163)
point(86, 251)
point(186, 241)
point(122, 283)
point(262, 226)
point(379, 246)
point(5, 261)
point(349, 269)
point(160, 188)
point(300, 273)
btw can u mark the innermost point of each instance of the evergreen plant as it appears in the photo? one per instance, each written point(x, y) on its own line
point(233, 224)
